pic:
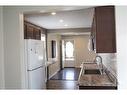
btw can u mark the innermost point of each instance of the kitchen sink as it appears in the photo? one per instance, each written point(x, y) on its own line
point(92, 71)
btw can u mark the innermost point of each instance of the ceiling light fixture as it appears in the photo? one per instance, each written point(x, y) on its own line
point(66, 25)
point(53, 13)
point(60, 20)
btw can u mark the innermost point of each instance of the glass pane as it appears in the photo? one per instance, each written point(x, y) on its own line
point(69, 49)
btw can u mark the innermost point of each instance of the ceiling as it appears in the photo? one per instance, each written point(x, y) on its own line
point(73, 17)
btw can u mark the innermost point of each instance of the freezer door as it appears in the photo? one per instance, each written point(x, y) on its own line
point(35, 54)
point(36, 78)
point(40, 51)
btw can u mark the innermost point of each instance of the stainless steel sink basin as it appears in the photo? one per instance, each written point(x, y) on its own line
point(92, 71)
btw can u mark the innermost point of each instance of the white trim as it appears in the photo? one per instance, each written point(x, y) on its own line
point(2, 85)
point(69, 39)
point(24, 84)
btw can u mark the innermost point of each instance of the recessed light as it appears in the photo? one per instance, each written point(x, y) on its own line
point(53, 13)
point(65, 24)
point(60, 20)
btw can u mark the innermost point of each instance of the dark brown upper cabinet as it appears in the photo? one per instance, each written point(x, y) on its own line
point(103, 30)
point(37, 34)
point(32, 31)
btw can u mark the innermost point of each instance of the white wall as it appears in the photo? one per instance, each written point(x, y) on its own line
point(109, 60)
point(82, 54)
point(55, 67)
point(12, 48)
point(1, 50)
point(121, 36)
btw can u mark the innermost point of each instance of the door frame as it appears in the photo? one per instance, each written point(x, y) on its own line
point(64, 51)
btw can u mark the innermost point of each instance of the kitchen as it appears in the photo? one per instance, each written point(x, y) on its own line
point(12, 59)
point(98, 66)
point(12, 74)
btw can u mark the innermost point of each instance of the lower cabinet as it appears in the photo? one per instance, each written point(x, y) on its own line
point(98, 87)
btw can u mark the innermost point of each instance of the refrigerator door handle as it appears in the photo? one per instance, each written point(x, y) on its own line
point(35, 68)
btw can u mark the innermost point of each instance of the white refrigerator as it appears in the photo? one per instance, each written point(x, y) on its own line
point(35, 62)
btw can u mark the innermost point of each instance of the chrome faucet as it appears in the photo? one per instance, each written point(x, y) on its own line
point(100, 63)
point(98, 57)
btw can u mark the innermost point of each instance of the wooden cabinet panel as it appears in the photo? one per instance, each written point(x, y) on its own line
point(103, 29)
point(31, 31)
point(37, 34)
point(25, 30)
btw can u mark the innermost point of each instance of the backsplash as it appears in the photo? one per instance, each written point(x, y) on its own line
point(110, 62)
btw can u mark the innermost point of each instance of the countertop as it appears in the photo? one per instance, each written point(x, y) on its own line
point(94, 79)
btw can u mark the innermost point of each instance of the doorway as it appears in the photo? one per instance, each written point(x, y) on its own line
point(68, 48)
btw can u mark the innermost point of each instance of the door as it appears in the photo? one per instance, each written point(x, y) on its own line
point(35, 53)
point(37, 78)
point(68, 53)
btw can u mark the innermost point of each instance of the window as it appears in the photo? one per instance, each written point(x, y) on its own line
point(69, 50)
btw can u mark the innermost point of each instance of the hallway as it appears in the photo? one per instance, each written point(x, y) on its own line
point(64, 79)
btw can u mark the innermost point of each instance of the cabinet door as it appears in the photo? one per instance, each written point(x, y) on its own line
point(25, 31)
point(37, 34)
point(30, 30)
point(105, 29)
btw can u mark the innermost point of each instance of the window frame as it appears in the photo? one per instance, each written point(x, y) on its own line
point(69, 58)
